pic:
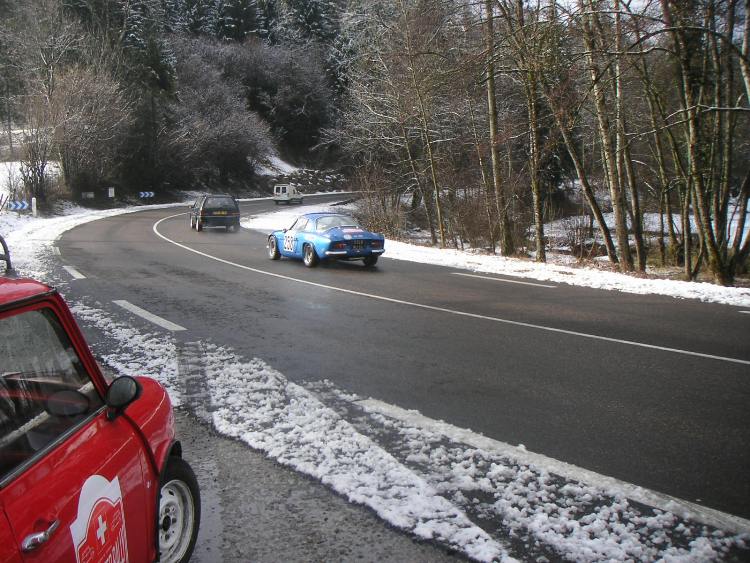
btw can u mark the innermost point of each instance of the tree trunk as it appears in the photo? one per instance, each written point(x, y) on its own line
point(506, 238)
point(531, 91)
point(608, 153)
point(485, 182)
point(695, 141)
point(420, 189)
point(425, 126)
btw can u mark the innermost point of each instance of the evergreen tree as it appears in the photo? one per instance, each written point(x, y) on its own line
point(302, 21)
point(175, 16)
point(315, 19)
point(150, 60)
point(240, 19)
point(204, 16)
point(270, 14)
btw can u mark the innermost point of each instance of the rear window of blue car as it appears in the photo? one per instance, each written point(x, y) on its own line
point(331, 221)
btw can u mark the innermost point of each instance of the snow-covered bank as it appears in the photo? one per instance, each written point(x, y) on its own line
point(586, 277)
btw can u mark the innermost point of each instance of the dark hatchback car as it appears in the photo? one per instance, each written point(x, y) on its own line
point(215, 210)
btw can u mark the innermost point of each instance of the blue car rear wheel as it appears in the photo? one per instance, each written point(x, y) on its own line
point(309, 256)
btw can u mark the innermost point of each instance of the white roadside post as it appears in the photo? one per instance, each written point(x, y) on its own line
point(33, 207)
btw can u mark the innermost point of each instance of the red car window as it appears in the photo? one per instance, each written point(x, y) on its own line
point(42, 395)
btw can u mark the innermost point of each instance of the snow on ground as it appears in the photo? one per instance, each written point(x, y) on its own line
point(588, 277)
point(275, 167)
point(10, 175)
point(560, 229)
point(425, 483)
point(256, 404)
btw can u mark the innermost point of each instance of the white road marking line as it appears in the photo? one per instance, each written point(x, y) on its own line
point(745, 312)
point(667, 503)
point(157, 320)
point(449, 311)
point(502, 280)
point(74, 273)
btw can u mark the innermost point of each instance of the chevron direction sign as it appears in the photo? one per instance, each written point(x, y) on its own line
point(18, 205)
point(146, 194)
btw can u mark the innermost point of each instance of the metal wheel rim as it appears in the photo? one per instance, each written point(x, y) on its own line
point(176, 520)
point(272, 247)
point(308, 254)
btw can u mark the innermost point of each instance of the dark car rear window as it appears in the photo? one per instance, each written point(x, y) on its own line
point(220, 203)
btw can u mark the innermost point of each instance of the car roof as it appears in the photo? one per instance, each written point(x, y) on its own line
point(19, 289)
point(318, 214)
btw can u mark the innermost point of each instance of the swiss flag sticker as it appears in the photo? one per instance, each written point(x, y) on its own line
point(99, 530)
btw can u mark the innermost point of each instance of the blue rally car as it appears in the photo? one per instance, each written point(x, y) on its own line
point(323, 236)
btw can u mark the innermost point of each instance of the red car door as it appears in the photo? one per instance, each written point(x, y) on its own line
point(88, 494)
point(8, 551)
point(74, 486)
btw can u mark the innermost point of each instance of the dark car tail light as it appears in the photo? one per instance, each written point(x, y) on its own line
point(338, 246)
point(376, 243)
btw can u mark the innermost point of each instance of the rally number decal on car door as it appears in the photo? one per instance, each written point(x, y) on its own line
point(289, 243)
point(99, 530)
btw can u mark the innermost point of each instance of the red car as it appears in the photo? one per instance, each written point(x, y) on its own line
point(90, 469)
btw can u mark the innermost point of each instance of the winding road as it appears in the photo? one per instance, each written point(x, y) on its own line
point(650, 390)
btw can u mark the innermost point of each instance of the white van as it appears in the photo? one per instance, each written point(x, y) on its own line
point(286, 193)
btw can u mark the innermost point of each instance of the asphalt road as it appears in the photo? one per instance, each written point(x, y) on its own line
point(604, 380)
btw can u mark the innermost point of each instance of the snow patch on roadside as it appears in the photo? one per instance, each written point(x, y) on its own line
point(256, 404)
point(429, 486)
point(579, 521)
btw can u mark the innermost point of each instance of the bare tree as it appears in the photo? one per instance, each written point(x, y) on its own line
point(527, 35)
point(565, 96)
point(45, 41)
point(36, 147)
point(702, 43)
point(91, 114)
